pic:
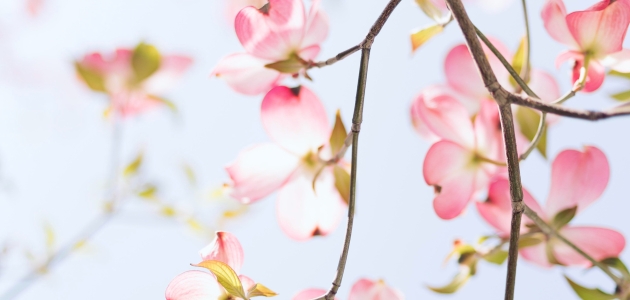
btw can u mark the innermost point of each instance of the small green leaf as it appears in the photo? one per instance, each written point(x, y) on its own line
point(528, 120)
point(458, 281)
point(623, 96)
point(145, 61)
point(551, 256)
point(617, 264)
point(92, 79)
point(421, 36)
point(529, 241)
point(289, 66)
point(589, 294)
point(133, 167)
point(430, 10)
point(260, 290)
point(619, 74)
point(496, 257)
point(226, 277)
point(342, 183)
point(564, 217)
point(519, 60)
point(338, 135)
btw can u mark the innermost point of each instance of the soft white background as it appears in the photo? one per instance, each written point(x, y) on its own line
point(55, 154)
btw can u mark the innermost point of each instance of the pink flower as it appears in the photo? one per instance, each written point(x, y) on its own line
point(457, 165)
point(364, 289)
point(296, 121)
point(278, 32)
point(132, 87)
point(233, 7)
point(199, 285)
point(577, 180)
point(591, 35)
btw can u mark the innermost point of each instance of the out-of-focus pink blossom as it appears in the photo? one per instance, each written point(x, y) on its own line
point(578, 179)
point(199, 285)
point(129, 94)
point(278, 32)
point(457, 165)
point(296, 121)
point(363, 289)
point(488, 5)
point(591, 35)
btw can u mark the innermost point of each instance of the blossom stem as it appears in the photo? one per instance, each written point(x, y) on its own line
point(525, 71)
point(550, 231)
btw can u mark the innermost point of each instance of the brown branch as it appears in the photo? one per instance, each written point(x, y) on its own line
point(366, 42)
point(567, 112)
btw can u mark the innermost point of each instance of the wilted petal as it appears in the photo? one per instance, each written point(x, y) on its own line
point(302, 213)
point(448, 167)
point(577, 178)
point(554, 16)
point(444, 116)
point(193, 285)
point(295, 119)
point(536, 254)
point(497, 210)
point(310, 294)
point(225, 248)
point(601, 29)
point(599, 243)
point(316, 29)
point(247, 74)
point(366, 289)
point(260, 170)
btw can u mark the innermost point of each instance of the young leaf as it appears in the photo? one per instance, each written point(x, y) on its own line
point(338, 135)
point(619, 74)
point(496, 257)
point(342, 183)
point(430, 10)
point(145, 61)
point(617, 264)
point(260, 290)
point(519, 60)
point(91, 78)
point(289, 66)
point(134, 166)
point(226, 277)
point(589, 294)
point(564, 217)
point(458, 281)
point(528, 241)
point(528, 120)
point(623, 96)
point(421, 36)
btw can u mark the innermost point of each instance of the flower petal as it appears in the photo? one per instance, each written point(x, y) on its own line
point(444, 116)
point(259, 170)
point(247, 282)
point(447, 167)
point(172, 67)
point(193, 285)
point(310, 294)
point(618, 61)
point(536, 254)
point(246, 74)
point(577, 178)
point(316, 29)
point(225, 248)
point(554, 16)
point(366, 289)
point(601, 29)
point(599, 243)
point(302, 213)
point(544, 84)
point(596, 72)
point(295, 119)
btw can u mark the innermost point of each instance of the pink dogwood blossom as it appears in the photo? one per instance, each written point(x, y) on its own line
point(363, 289)
point(578, 179)
point(233, 7)
point(280, 32)
point(296, 121)
point(592, 35)
point(457, 164)
point(130, 87)
point(199, 285)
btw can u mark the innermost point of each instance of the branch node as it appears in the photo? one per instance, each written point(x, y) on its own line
point(356, 127)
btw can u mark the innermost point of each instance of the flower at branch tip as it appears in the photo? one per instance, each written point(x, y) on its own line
point(363, 289)
point(295, 164)
point(578, 178)
point(279, 39)
point(460, 163)
point(134, 79)
point(594, 37)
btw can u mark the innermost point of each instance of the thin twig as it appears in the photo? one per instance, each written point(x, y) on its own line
point(547, 229)
point(507, 125)
point(564, 111)
point(525, 71)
